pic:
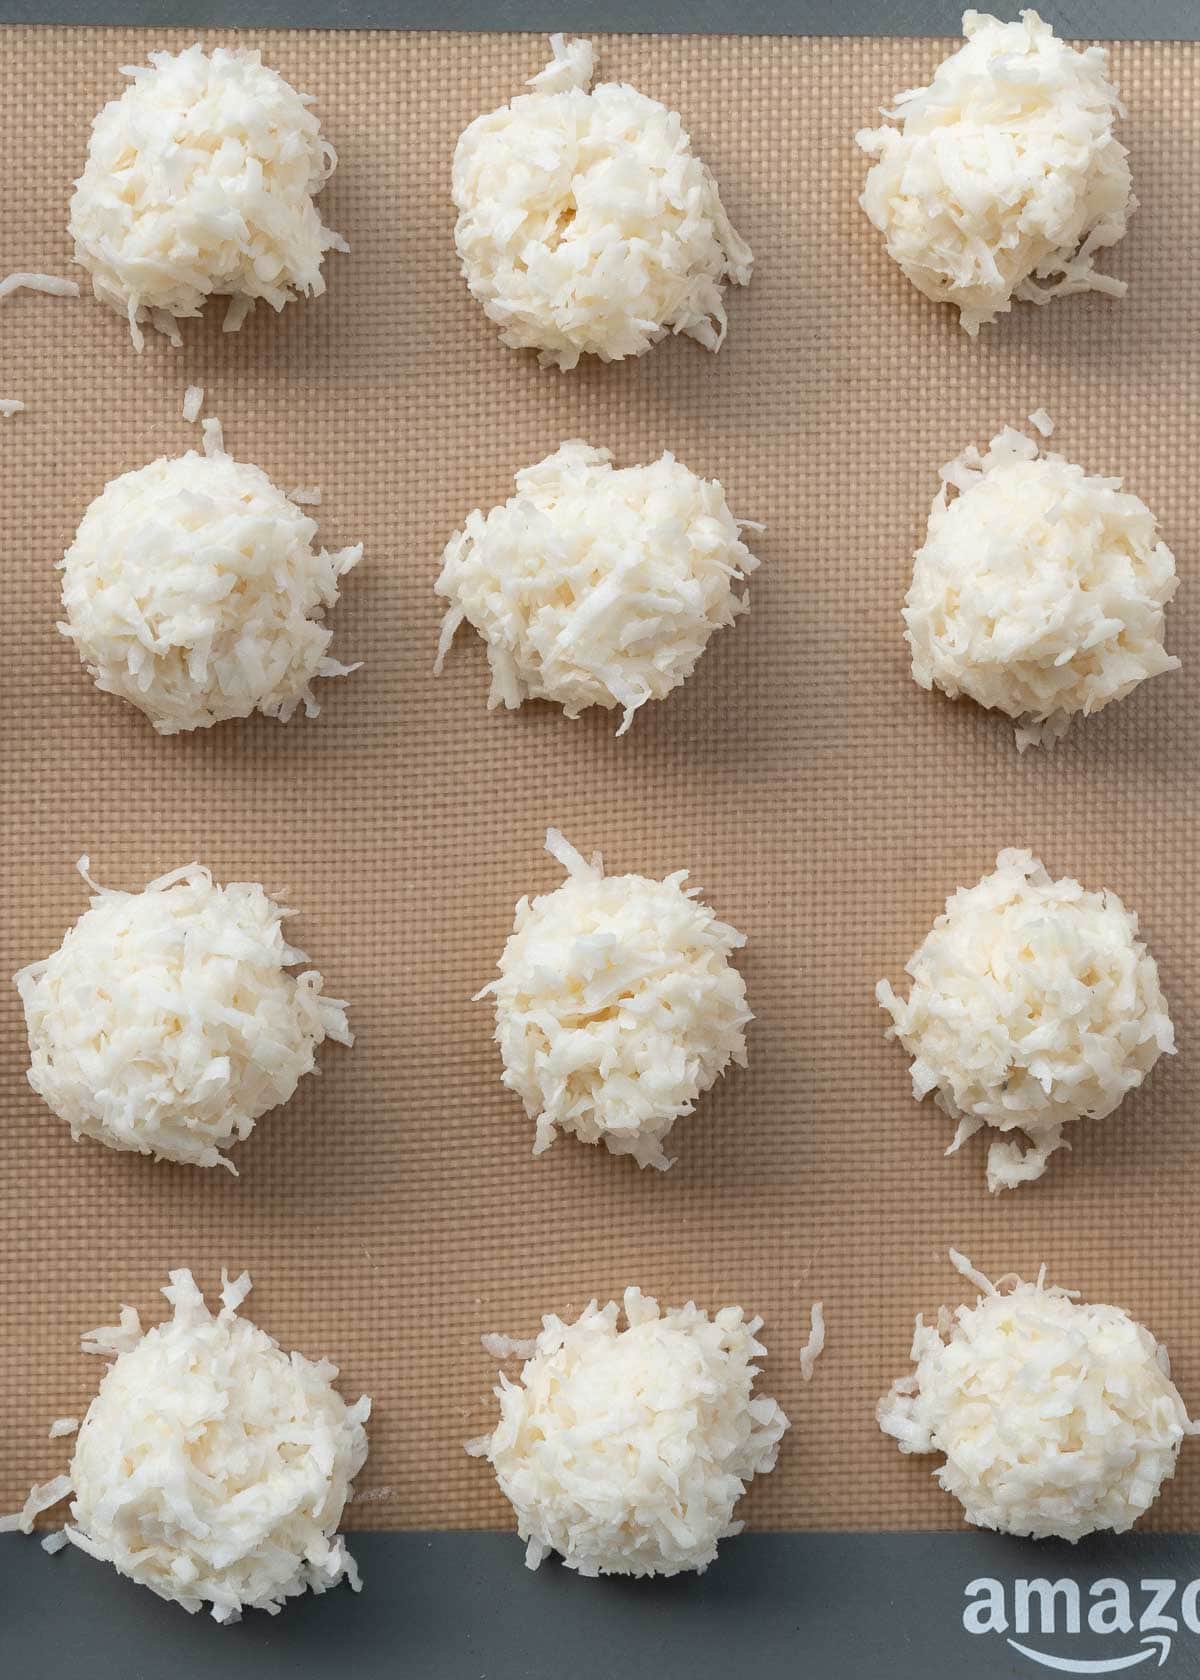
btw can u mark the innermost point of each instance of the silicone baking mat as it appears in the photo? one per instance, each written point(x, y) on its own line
point(393, 1212)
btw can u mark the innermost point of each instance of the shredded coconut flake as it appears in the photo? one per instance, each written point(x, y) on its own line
point(212, 1467)
point(626, 1450)
point(167, 1022)
point(43, 1496)
point(1055, 1418)
point(815, 1345)
point(372, 1496)
point(306, 495)
point(964, 1268)
point(586, 223)
point(1033, 1004)
point(595, 587)
point(1042, 422)
point(193, 402)
point(56, 1542)
point(1040, 590)
point(193, 590)
point(109, 1340)
point(1005, 178)
point(49, 283)
point(199, 181)
point(617, 1006)
point(10, 406)
point(509, 1347)
point(213, 434)
point(63, 1426)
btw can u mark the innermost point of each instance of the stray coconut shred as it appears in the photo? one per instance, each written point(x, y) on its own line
point(586, 224)
point(211, 1467)
point(1004, 178)
point(626, 1450)
point(617, 1006)
point(1055, 1417)
point(53, 286)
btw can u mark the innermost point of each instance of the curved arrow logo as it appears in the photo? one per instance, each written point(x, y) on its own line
point(1159, 1643)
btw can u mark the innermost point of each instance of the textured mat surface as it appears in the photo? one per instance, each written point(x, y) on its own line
point(826, 806)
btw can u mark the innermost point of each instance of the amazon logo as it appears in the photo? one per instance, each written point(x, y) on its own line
point(1137, 1621)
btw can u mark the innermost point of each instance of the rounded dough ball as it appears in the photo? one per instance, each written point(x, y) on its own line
point(1004, 178)
point(586, 226)
point(1033, 1004)
point(200, 180)
point(626, 1451)
point(616, 1007)
point(167, 1022)
point(1040, 590)
point(1056, 1418)
point(595, 587)
point(212, 1467)
point(192, 590)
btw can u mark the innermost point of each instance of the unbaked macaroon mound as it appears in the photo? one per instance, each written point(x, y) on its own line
point(617, 1006)
point(1033, 1004)
point(1040, 590)
point(167, 1021)
point(212, 1467)
point(587, 225)
point(626, 1450)
point(1055, 1417)
point(193, 590)
point(1004, 178)
point(200, 180)
point(595, 585)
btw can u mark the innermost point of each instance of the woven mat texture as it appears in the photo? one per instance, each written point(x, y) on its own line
point(393, 1212)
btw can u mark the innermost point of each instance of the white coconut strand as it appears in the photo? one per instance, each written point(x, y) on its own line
point(52, 285)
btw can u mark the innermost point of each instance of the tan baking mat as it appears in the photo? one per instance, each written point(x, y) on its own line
point(824, 804)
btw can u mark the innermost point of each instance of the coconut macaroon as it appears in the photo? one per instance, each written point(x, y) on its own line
point(199, 181)
point(1040, 590)
point(1005, 178)
point(617, 1006)
point(193, 590)
point(212, 1467)
point(1033, 1003)
point(1055, 1417)
point(167, 1022)
point(586, 224)
point(595, 586)
point(627, 1450)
